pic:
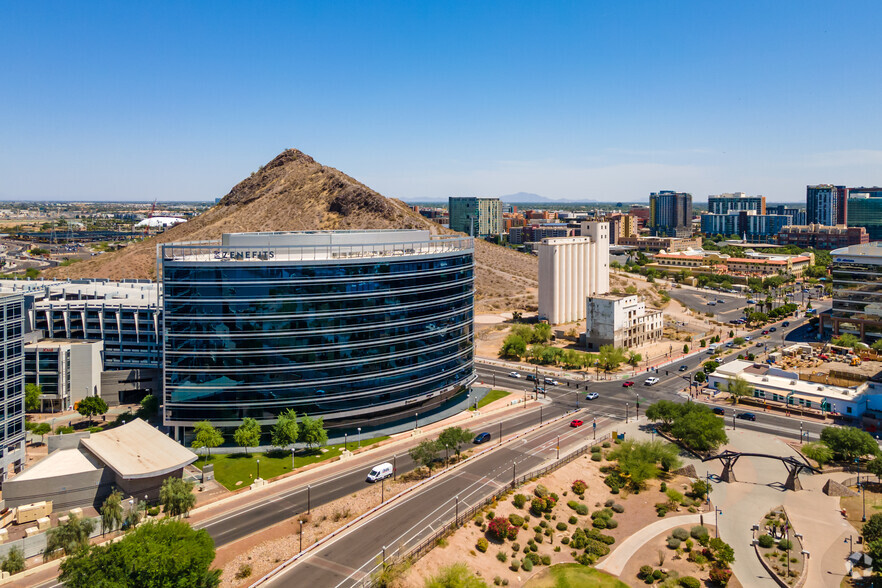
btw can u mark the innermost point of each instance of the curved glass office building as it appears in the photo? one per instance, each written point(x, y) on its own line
point(359, 327)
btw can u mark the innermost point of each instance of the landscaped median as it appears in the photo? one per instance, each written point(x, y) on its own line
point(238, 470)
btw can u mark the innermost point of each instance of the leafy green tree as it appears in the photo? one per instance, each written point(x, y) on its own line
point(638, 460)
point(634, 359)
point(166, 553)
point(112, 512)
point(874, 466)
point(872, 529)
point(700, 429)
point(32, 397)
point(286, 430)
point(541, 333)
point(513, 347)
point(710, 366)
point(149, 407)
point(455, 575)
point(452, 437)
point(847, 340)
point(877, 345)
point(14, 562)
point(69, 537)
point(41, 429)
point(206, 436)
point(738, 388)
point(92, 405)
point(611, 357)
point(425, 453)
point(686, 348)
point(874, 550)
point(176, 496)
point(818, 452)
point(247, 434)
point(312, 432)
point(665, 411)
point(721, 551)
point(848, 443)
point(699, 377)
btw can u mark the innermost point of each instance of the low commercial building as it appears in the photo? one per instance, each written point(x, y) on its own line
point(774, 385)
point(621, 321)
point(656, 244)
point(81, 469)
point(753, 264)
point(822, 237)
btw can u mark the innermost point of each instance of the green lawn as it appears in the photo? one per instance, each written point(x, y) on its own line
point(491, 396)
point(238, 470)
point(573, 575)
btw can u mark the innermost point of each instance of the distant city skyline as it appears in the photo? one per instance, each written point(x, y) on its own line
point(588, 102)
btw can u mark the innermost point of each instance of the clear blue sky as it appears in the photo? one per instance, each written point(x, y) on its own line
point(588, 100)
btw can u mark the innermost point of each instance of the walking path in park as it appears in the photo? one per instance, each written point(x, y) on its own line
point(744, 503)
point(617, 560)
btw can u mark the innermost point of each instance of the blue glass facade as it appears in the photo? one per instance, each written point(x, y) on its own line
point(346, 339)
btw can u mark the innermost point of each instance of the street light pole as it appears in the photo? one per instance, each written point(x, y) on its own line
point(558, 447)
point(301, 536)
point(456, 516)
point(626, 412)
point(359, 437)
point(258, 469)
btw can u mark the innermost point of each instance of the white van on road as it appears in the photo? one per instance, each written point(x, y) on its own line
point(380, 472)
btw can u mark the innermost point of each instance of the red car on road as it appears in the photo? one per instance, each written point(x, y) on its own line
point(628, 384)
point(576, 423)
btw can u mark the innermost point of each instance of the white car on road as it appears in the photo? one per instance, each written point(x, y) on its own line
point(514, 375)
point(650, 381)
point(592, 396)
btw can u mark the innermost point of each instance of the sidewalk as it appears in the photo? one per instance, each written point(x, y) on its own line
point(620, 556)
point(365, 457)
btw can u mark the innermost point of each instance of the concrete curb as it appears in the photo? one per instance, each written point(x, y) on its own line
point(397, 438)
point(363, 517)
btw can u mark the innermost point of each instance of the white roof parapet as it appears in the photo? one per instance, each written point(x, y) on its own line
point(137, 450)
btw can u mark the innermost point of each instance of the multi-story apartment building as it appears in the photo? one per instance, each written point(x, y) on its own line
point(724, 203)
point(857, 292)
point(826, 204)
point(621, 321)
point(12, 431)
point(822, 237)
point(570, 269)
point(797, 215)
point(478, 217)
point(670, 214)
point(865, 210)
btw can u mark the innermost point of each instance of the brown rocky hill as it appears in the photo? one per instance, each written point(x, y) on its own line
point(293, 192)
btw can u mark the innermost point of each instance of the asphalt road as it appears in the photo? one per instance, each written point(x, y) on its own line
point(426, 509)
point(346, 561)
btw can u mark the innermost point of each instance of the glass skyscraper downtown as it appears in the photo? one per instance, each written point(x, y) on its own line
point(359, 327)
